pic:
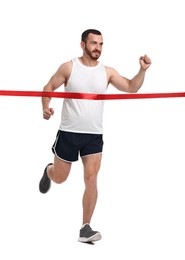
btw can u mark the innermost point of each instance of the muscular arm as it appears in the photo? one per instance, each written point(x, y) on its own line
point(129, 85)
point(59, 78)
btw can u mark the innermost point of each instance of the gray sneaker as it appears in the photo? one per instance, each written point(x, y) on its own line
point(88, 235)
point(45, 182)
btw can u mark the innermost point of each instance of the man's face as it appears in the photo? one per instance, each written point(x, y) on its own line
point(93, 46)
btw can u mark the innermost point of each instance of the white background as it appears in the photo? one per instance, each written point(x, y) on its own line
point(140, 210)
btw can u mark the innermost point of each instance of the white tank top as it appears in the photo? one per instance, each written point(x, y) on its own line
point(80, 115)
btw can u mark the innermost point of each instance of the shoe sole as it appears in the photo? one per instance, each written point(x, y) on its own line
point(94, 238)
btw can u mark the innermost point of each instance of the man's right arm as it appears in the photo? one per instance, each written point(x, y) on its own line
point(59, 78)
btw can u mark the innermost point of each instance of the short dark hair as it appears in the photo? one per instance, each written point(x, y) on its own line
point(87, 32)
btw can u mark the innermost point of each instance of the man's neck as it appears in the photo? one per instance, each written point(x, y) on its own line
point(88, 62)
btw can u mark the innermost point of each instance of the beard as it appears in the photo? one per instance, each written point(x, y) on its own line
point(93, 54)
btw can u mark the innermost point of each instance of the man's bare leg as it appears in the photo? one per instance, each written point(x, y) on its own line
point(59, 171)
point(91, 165)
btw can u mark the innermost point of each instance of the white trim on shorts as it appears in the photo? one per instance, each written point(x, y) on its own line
point(90, 154)
point(76, 160)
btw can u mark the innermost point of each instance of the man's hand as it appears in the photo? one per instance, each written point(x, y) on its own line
point(47, 113)
point(145, 62)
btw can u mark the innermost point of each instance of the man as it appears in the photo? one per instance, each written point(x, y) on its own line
point(80, 131)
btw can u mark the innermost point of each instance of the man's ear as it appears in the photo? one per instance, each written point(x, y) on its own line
point(82, 45)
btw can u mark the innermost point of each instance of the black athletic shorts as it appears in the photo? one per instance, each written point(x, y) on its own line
point(69, 145)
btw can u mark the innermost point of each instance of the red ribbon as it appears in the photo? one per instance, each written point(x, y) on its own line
point(75, 95)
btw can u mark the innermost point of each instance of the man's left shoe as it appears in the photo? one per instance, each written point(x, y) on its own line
point(87, 235)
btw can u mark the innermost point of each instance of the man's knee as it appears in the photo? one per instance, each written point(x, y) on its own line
point(59, 178)
point(59, 173)
point(90, 178)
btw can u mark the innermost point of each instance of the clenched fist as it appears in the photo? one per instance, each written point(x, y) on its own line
point(47, 113)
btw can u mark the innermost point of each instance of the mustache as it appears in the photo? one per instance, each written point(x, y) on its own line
point(97, 51)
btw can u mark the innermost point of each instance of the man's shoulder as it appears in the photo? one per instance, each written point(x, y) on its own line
point(109, 70)
point(66, 66)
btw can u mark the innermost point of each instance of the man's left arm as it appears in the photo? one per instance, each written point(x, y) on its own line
point(137, 81)
point(129, 85)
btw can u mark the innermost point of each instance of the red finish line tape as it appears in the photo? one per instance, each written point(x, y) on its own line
point(75, 95)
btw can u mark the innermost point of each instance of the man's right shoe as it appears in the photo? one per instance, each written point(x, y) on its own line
point(45, 182)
